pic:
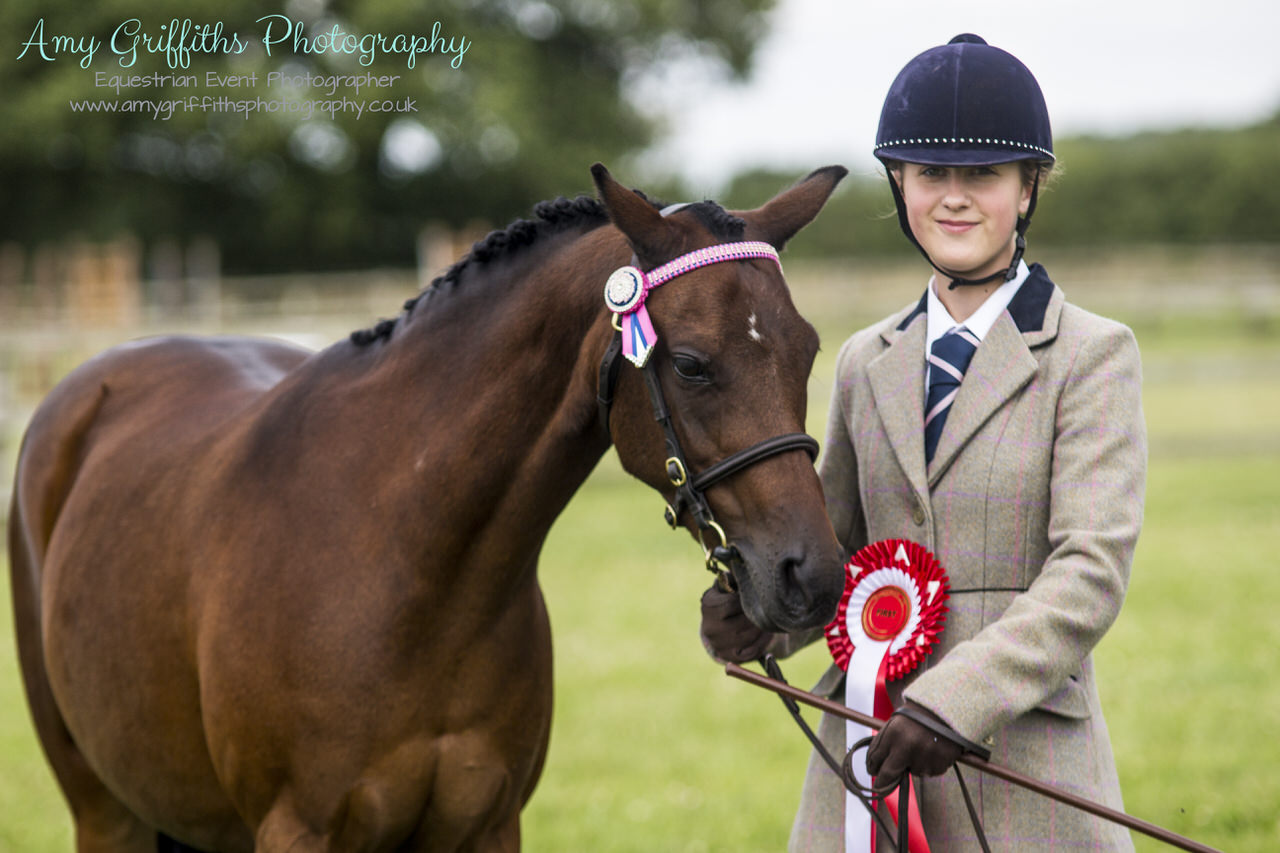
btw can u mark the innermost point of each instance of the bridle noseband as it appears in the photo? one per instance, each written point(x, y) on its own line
point(634, 338)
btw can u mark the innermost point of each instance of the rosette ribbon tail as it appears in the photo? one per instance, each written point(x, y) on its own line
point(865, 689)
point(916, 842)
point(638, 336)
point(889, 618)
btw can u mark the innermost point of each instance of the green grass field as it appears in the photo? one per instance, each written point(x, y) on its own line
point(654, 749)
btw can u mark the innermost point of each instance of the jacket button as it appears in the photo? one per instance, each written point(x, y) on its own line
point(917, 512)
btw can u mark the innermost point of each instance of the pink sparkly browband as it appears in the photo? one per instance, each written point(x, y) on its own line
point(711, 255)
point(627, 288)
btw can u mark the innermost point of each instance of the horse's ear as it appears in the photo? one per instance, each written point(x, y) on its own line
point(652, 238)
point(777, 221)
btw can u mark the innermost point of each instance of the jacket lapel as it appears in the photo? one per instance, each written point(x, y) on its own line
point(1001, 366)
point(896, 377)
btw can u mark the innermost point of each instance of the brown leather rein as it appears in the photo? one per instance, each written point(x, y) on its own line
point(789, 693)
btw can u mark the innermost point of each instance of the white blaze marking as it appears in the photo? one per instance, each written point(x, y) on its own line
point(753, 331)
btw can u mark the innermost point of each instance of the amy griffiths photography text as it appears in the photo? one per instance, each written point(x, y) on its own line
point(179, 39)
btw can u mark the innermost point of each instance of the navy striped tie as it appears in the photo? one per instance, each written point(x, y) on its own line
point(949, 357)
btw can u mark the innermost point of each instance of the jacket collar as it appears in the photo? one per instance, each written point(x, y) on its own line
point(1001, 366)
point(1029, 307)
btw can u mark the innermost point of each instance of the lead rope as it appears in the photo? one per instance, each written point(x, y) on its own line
point(866, 796)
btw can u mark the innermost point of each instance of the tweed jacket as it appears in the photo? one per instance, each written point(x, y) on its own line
point(1032, 503)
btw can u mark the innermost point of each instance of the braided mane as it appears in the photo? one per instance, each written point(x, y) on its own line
point(552, 217)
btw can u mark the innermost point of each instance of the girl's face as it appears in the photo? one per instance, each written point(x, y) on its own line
point(964, 216)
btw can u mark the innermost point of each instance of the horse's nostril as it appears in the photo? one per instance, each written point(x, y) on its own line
point(810, 591)
point(791, 580)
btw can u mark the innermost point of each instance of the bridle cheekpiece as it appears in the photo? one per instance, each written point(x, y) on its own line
point(634, 338)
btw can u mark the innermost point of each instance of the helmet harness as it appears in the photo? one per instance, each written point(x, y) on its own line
point(965, 103)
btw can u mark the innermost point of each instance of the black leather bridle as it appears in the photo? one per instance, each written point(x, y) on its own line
point(690, 488)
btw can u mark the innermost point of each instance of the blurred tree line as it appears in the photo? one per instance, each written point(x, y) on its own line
point(540, 94)
point(536, 99)
point(1184, 186)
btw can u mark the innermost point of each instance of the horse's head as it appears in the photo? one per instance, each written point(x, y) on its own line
point(730, 365)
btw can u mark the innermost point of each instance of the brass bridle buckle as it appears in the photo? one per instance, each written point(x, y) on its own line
point(719, 557)
point(676, 472)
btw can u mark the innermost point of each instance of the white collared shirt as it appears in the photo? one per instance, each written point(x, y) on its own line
point(979, 322)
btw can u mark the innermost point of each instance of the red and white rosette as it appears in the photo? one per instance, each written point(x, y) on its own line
point(893, 609)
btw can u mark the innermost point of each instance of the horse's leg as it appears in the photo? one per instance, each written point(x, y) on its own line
point(103, 824)
point(504, 838)
point(165, 844)
point(281, 831)
point(284, 831)
point(458, 818)
point(361, 826)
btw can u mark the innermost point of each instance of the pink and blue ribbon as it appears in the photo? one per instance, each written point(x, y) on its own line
point(638, 335)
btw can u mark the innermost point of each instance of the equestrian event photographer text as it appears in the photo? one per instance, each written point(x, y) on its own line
point(178, 40)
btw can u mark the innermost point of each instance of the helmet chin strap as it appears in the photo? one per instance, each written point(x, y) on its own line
point(1009, 273)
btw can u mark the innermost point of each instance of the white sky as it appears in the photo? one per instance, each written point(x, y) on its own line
point(822, 71)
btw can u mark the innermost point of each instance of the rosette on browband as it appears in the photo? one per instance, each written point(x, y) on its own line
point(626, 289)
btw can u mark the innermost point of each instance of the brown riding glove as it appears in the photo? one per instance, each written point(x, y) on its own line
point(904, 745)
point(727, 633)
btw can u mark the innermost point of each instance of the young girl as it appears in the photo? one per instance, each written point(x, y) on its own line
point(1000, 427)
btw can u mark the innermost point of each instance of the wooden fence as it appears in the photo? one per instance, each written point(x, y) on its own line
point(59, 305)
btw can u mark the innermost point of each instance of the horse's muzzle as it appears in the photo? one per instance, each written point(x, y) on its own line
point(794, 592)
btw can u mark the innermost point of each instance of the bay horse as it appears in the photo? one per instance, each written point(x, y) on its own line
point(273, 600)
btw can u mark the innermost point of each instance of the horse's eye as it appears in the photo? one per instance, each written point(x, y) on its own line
point(689, 368)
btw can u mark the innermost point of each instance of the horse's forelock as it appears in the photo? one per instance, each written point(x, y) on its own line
point(720, 222)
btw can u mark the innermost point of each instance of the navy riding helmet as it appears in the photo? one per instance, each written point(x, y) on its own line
point(965, 103)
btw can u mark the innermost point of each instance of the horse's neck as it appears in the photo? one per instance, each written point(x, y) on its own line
point(484, 401)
